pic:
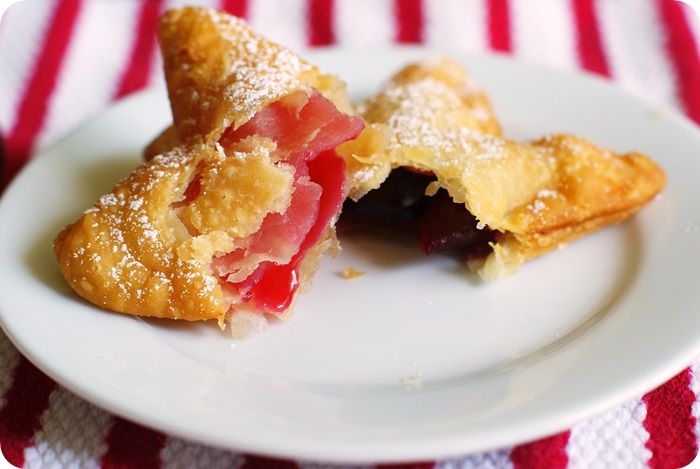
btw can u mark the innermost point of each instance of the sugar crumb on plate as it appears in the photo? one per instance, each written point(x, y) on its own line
point(413, 382)
point(350, 273)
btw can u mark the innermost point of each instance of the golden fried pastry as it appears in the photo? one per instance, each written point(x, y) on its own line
point(231, 223)
point(164, 142)
point(220, 72)
point(422, 101)
point(424, 163)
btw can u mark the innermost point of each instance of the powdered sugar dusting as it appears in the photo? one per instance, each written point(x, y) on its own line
point(547, 193)
point(538, 206)
point(410, 110)
point(128, 241)
point(261, 71)
point(481, 113)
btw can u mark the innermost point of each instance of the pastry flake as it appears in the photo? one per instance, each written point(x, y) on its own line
point(460, 183)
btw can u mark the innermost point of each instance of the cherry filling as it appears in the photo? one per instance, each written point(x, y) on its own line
point(191, 192)
point(400, 204)
point(447, 226)
point(278, 283)
point(306, 130)
point(397, 205)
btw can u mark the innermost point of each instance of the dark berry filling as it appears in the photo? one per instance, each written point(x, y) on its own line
point(447, 226)
point(397, 205)
point(400, 205)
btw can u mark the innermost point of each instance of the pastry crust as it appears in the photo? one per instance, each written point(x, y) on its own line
point(151, 246)
point(130, 253)
point(591, 187)
point(538, 195)
point(220, 73)
point(474, 111)
point(164, 142)
point(134, 253)
point(424, 106)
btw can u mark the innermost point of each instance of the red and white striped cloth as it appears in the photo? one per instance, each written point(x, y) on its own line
point(61, 61)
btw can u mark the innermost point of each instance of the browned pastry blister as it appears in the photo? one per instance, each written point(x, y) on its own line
point(227, 201)
point(536, 196)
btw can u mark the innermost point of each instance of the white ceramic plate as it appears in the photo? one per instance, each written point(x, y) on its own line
point(413, 361)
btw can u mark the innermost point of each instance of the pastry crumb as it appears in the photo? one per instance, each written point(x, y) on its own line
point(245, 324)
point(413, 382)
point(432, 188)
point(657, 113)
point(350, 273)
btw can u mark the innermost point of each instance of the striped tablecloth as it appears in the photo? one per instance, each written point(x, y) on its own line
point(62, 61)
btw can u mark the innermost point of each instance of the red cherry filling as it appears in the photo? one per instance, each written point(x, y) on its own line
point(191, 192)
point(278, 283)
point(400, 205)
point(306, 130)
